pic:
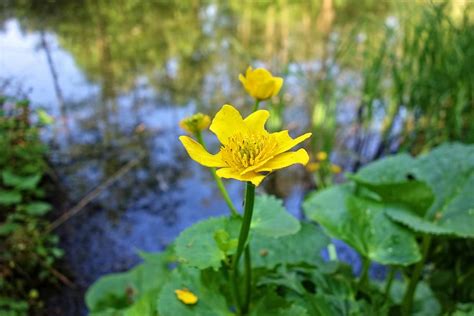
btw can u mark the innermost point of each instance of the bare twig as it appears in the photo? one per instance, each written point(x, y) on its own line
point(92, 195)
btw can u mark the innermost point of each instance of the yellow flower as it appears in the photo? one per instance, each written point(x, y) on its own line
point(260, 83)
point(336, 169)
point(186, 296)
point(195, 123)
point(313, 166)
point(248, 152)
point(322, 155)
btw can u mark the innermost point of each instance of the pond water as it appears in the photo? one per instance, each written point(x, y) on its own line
point(118, 78)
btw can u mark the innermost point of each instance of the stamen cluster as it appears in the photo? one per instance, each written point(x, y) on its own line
point(247, 150)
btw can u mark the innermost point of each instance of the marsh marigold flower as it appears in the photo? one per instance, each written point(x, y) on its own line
point(195, 123)
point(186, 296)
point(248, 152)
point(260, 83)
point(336, 169)
point(322, 155)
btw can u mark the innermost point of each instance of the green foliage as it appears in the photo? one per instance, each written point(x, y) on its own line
point(289, 275)
point(203, 246)
point(130, 293)
point(206, 284)
point(27, 254)
point(271, 219)
point(211, 241)
point(448, 171)
point(387, 204)
point(426, 303)
point(416, 75)
point(362, 223)
point(303, 247)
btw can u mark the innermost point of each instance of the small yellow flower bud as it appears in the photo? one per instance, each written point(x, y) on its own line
point(33, 294)
point(195, 123)
point(313, 166)
point(336, 169)
point(322, 155)
point(186, 296)
point(260, 83)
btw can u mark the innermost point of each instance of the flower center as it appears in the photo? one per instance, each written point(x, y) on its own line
point(246, 150)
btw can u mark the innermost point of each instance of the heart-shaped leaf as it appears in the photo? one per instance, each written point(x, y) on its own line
point(362, 223)
point(303, 247)
point(202, 245)
point(270, 218)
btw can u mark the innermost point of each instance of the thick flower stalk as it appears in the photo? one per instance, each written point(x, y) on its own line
point(248, 152)
point(260, 83)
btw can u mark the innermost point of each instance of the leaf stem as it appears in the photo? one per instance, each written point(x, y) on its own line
point(257, 104)
point(388, 285)
point(364, 277)
point(248, 278)
point(243, 236)
point(220, 184)
point(410, 292)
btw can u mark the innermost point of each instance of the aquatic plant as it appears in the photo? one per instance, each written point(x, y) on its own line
point(389, 212)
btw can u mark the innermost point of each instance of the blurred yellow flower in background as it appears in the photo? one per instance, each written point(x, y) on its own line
point(313, 166)
point(195, 123)
point(260, 83)
point(248, 152)
point(322, 155)
point(186, 296)
point(336, 169)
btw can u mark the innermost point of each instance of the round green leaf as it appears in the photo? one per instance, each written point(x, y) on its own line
point(303, 247)
point(362, 223)
point(204, 284)
point(121, 291)
point(270, 218)
point(208, 242)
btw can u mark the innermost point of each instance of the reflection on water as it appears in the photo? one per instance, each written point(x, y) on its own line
point(119, 76)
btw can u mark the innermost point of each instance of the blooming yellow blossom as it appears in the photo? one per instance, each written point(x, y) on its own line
point(195, 123)
point(322, 155)
point(336, 169)
point(260, 83)
point(186, 296)
point(248, 152)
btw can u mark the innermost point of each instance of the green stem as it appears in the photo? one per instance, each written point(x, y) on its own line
point(248, 278)
point(410, 292)
point(364, 277)
point(388, 285)
point(220, 184)
point(257, 103)
point(243, 236)
point(332, 253)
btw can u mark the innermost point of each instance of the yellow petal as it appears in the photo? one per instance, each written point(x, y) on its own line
point(227, 122)
point(260, 75)
point(278, 83)
point(186, 296)
point(263, 90)
point(285, 142)
point(256, 121)
point(199, 154)
point(284, 160)
point(229, 173)
point(242, 79)
point(248, 72)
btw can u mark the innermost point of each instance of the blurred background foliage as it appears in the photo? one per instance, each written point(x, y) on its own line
point(368, 77)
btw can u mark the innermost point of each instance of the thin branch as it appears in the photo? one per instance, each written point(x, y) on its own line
point(92, 195)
